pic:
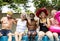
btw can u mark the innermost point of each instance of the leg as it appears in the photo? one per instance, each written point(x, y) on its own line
point(29, 35)
point(0, 34)
point(34, 33)
point(10, 36)
point(20, 35)
point(40, 35)
point(16, 36)
point(56, 36)
point(50, 35)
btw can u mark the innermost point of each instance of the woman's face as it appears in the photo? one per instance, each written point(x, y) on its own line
point(53, 12)
point(42, 15)
point(23, 16)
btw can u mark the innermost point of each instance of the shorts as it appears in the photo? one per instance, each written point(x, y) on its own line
point(32, 31)
point(20, 29)
point(4, 32)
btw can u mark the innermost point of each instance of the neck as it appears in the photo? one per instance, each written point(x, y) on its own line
point(43, 19)
point(22, 19)
point(32, 19)
point(9, 17)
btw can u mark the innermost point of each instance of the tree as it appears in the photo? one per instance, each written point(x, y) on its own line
point(10, 2)
point(20, 1)
point(2, 4)
point(46, 3)
point(41, 3)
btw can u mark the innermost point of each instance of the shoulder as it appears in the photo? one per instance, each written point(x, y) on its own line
point(3, 18)
point(51, 19)
point(28, 20)
point(36, 19)
point(48, 18)
point(17, 19)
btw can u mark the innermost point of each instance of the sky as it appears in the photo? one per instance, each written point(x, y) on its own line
point(32, 8)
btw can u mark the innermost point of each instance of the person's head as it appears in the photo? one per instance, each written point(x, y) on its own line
point(32, 15)
point(9, 14)
point(53, 12)
point(23, 16)
point(42, 13)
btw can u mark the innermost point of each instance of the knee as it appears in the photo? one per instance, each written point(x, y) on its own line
point(41, 34)
point(29, 33)
point(34, 33)
point(49, 34)
point(16, 33)
point(0, 34)
point(55, 34)
point(21, 34)
point(9, 34)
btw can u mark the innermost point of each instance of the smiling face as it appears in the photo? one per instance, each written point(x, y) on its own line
point(42, 15)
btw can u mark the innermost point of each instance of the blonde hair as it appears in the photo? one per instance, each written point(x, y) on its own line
point(53, 11)
point(9, 12)
point(23, 14)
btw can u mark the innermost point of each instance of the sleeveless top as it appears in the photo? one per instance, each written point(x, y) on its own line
point(43, 27)
point(21, 25)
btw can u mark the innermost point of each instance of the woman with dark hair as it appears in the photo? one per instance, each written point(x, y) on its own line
point(44, 24)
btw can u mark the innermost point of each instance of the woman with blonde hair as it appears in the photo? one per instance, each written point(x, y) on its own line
point(21, 27)
point(54, 23)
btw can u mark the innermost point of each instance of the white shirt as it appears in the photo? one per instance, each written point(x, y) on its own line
point(21, 25)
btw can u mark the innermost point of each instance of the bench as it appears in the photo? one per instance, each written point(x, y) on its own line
point(24, 38)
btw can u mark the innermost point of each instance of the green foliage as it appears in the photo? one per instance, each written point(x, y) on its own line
point(47, 3)
point(28, 11)
point(15, 1)
point(13, 6)
point(41, 3)
point(20, 1)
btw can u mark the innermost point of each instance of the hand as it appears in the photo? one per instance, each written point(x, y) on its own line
point(45, 24)
point(0, 34)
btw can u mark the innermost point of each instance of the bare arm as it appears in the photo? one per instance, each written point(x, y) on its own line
point(37, 21)
point(48, 23)
point(14, 21)
point(1, 20)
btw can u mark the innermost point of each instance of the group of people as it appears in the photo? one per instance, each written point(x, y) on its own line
point(31, 24)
